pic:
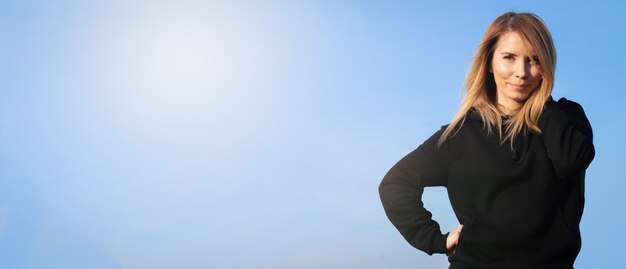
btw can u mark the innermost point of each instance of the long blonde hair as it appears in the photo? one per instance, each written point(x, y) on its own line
point(480, 87)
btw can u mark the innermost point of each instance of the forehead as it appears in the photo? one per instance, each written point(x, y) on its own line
point(514, 43)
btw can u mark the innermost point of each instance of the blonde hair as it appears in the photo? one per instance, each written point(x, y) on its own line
point(480, 87)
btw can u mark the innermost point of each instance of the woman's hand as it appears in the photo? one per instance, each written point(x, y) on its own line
point(453, 240)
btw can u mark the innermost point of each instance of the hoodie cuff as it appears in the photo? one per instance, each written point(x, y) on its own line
point(440, 244)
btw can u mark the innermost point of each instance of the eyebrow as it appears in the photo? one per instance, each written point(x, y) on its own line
point(510, 53)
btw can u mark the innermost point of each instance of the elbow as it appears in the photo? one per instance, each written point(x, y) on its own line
point(384, 189)
point(392, 189)
point(389, 184)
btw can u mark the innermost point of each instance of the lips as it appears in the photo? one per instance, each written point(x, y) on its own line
point(518, 86)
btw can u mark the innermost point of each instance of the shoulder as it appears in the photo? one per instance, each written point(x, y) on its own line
point(448, 133)
point(436, 136)
point(564, 110)
point(438, 133)
point(563, 103)
point(570, 107)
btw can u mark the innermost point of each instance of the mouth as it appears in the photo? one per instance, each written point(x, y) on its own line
point(518, 86)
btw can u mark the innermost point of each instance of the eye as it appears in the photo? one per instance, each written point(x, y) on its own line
point(535, 61)
point(508, 57)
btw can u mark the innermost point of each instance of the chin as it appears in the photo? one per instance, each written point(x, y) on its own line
point(519, 98)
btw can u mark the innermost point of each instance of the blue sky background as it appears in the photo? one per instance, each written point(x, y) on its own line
point(254, 134)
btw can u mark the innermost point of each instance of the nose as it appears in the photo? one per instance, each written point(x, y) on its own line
point(522, 69)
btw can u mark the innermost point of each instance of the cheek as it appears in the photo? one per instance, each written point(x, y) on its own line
point(536, 74)
point(500, 70)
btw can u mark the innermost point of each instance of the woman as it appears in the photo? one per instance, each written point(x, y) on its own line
point(513, 161)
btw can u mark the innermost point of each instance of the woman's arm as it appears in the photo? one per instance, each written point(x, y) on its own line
point(401, 194)
point(568, 137)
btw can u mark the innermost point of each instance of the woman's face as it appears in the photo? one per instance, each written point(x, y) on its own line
point(515, 70)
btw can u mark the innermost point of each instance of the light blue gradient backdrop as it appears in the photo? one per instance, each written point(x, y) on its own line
point(254, 134)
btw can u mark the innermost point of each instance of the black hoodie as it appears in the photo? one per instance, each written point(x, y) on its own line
point(520, 208)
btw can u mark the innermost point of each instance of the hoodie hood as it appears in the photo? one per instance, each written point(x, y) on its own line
point(473, 115)
point(521, 143)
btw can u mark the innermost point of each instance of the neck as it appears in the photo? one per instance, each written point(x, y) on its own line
point(508, 108)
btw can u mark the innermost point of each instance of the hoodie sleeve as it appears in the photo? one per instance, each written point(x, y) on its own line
point(401, 194)
point(568, 137)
